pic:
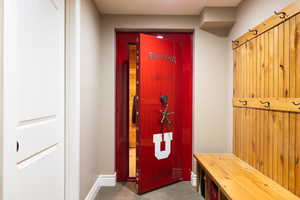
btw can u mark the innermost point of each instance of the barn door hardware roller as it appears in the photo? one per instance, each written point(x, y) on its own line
point(282, 15)
point(266, 103)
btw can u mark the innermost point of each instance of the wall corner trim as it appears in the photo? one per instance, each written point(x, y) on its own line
point(102, 181)
point(193, 179)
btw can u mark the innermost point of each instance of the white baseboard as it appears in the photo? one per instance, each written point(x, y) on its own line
point(102, 181)
point(93, 192)
point(107, 180)
point(193, 179)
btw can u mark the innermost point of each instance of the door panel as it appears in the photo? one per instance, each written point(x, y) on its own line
point(41, 177)
point(45, 134)
point(39, 103)
point(158, 161)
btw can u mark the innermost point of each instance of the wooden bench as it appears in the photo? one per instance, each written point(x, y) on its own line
point(236, 180)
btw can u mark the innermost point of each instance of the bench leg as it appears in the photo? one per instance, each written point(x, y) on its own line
point(198, 178)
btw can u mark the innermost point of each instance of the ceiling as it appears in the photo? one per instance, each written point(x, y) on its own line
point(160, 7)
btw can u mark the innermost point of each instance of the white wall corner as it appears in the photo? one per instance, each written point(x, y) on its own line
point(102, 181)
point(193, 179)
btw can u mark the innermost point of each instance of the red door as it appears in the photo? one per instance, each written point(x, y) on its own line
point(158, 142)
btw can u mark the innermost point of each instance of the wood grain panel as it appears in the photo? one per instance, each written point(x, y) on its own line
point(132, 93)
point(266, 94)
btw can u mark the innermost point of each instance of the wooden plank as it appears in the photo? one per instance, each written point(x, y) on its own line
point(291, 10)
point(292, 127)
point(261, 140)
point(286, 81)
point(234, 72)
point(240, 72)
point(237, 180)
point(286, 118)
point(255, 133)
point(247, 113)
point(262, 116)
point(244, 60)
point(266, 142)
point(242, 135)
point(275, 133)
point(276, 115)
point(262, 65)
point(271, 64)
point(258, 94)
point(239, 122)
point(297, 128)
point(276, 62)
point(281, 94)
point(292, 50)
point(286, 77)
point(280, 147)
point(254, 79)
point(266, 65)
point(292, 155)
point(297, 150)
point(266, 113)
point(281, 61)
point(271, 94)
point(297, 55)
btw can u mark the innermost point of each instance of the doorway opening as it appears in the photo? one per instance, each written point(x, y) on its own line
point(132, 104)
point(127, 70)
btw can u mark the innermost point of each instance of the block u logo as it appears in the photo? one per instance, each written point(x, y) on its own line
point(157, 139)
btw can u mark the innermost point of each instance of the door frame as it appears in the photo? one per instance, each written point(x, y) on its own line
point(119, 154)
point(72, 104)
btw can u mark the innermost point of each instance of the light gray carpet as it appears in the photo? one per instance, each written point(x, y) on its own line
point(126, 191)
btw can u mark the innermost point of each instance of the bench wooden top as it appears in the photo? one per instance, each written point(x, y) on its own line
point(239, 181)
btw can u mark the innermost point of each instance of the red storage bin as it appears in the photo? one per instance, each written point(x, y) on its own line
point(213, 191)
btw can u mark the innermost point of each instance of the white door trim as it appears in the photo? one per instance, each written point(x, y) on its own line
point(7, 97)
point(1, 96)
point(72, 96)
point(72, 128)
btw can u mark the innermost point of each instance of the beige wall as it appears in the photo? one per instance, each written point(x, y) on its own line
point(210, 84)
point(1, 99)
point(249, 14)
point(90, 97)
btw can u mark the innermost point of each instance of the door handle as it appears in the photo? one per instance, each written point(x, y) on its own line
point(165, 115)
point(18, 146)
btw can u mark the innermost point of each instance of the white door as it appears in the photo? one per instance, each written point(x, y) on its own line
point(34, 98)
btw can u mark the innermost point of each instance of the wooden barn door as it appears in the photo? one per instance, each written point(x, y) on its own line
point(267, 102)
